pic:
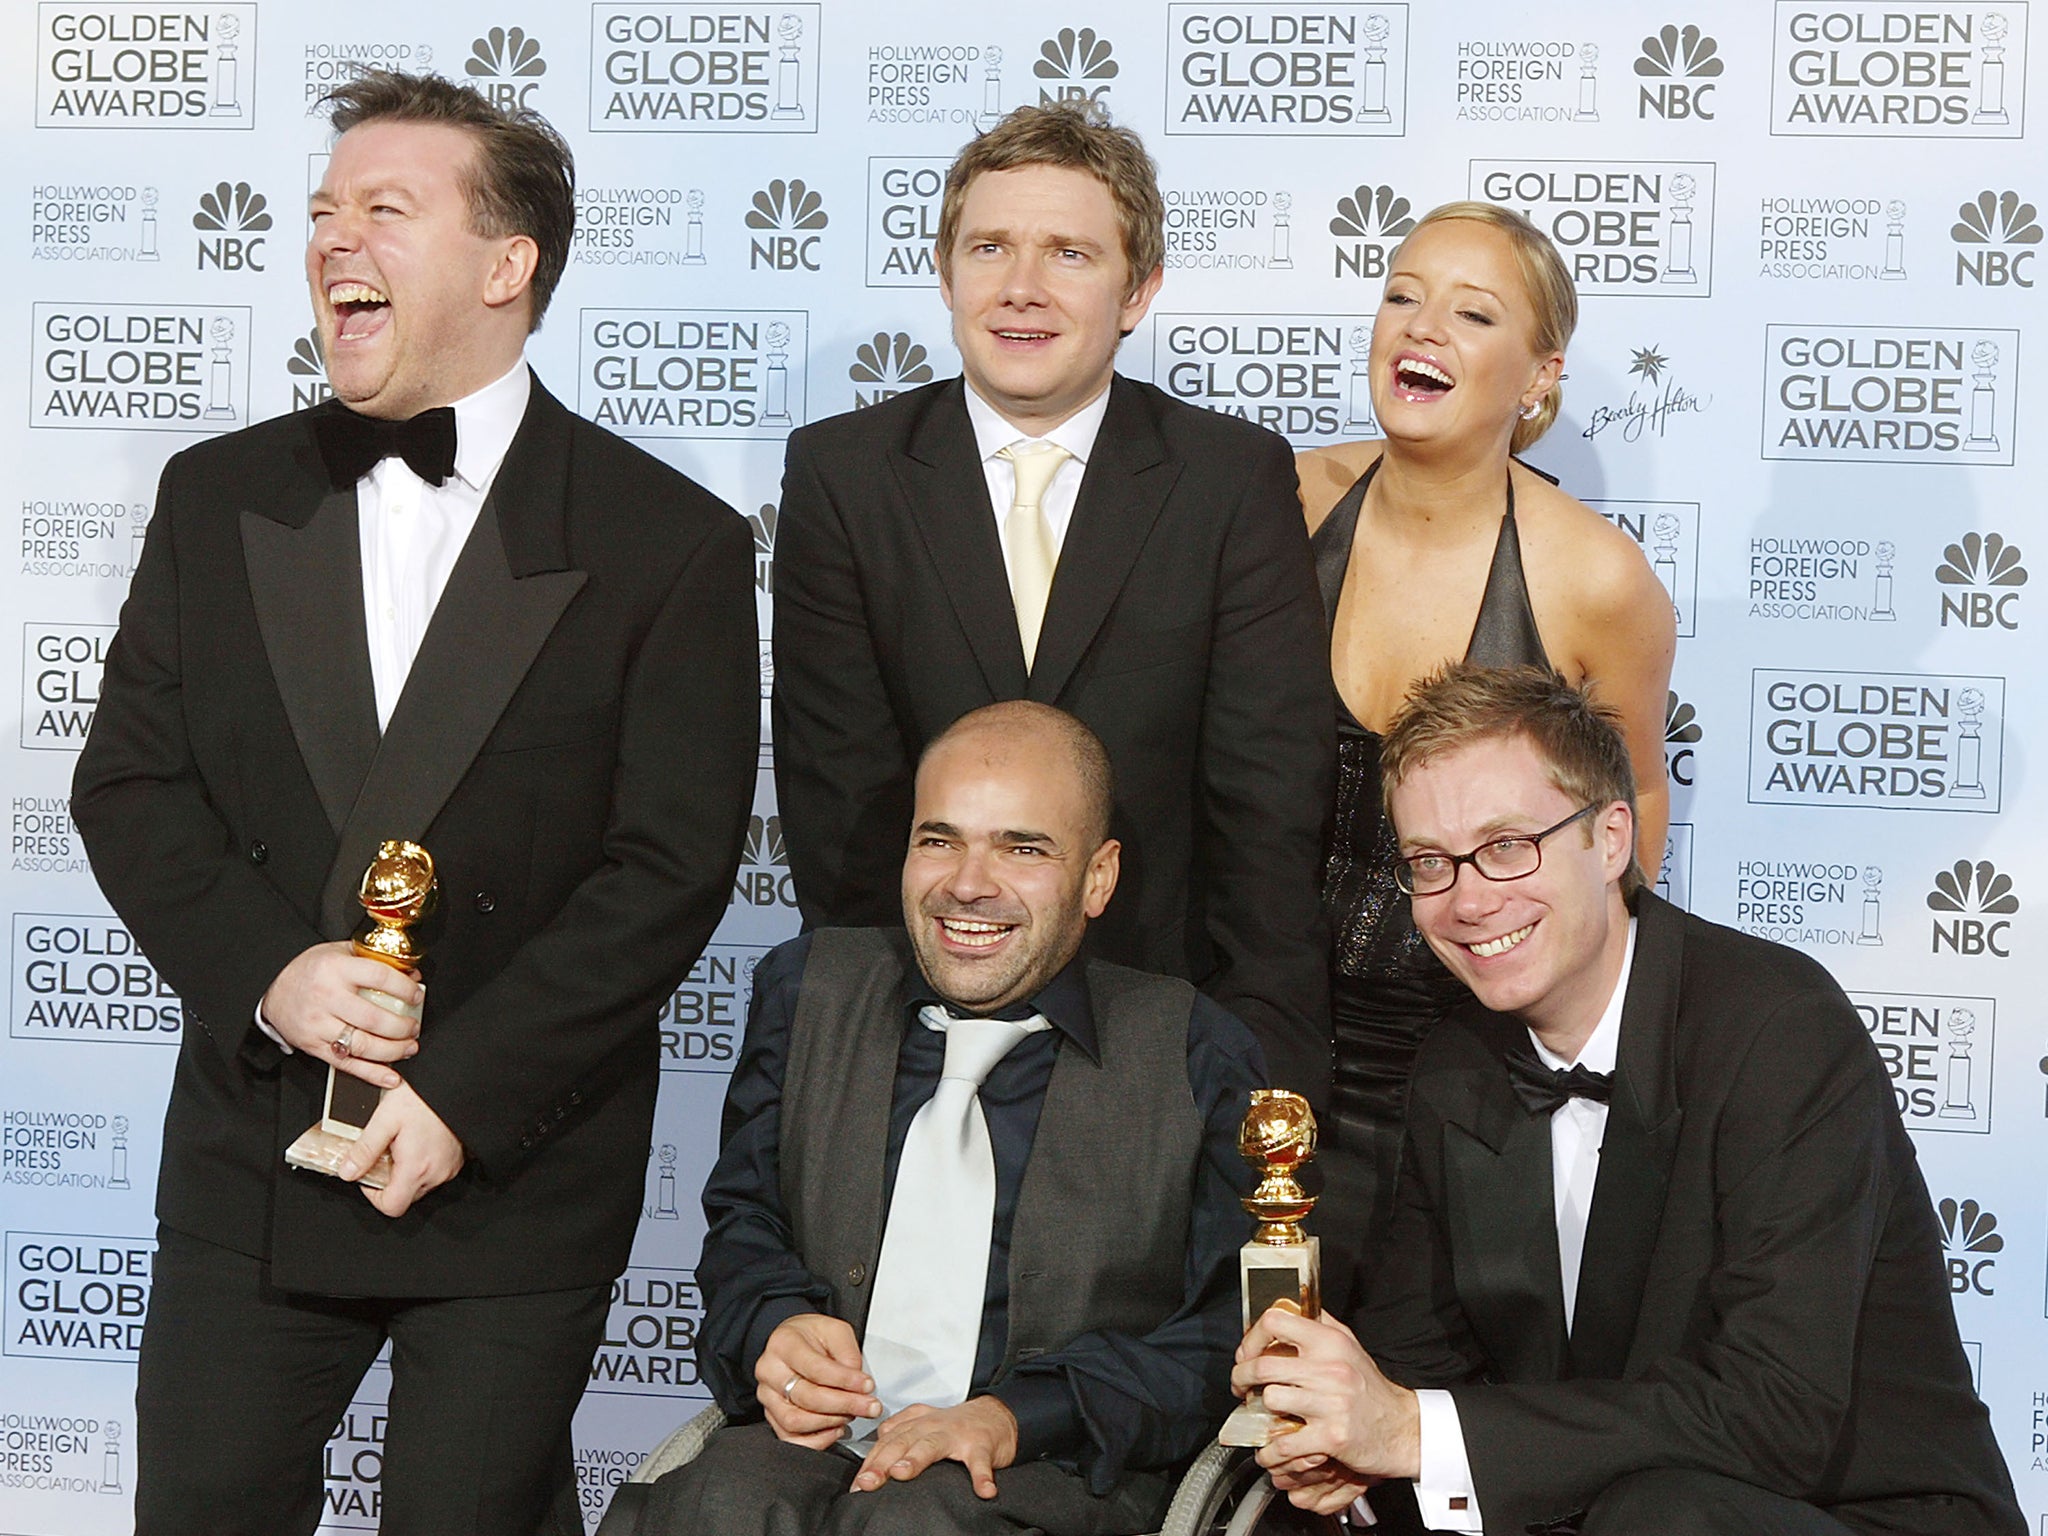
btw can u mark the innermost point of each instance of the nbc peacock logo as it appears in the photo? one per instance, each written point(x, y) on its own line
point(1973, 905)
point(1972, 1241)
point(788, 215)
point(506, 66)
point(1995, 235)
point(1369, 222)
point(1075, 65)
point(886, 365)
point(1678, 66)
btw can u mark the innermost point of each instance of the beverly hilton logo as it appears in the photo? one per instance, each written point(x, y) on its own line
point(1679, 66)
point(1995, 235)
point(1968, 1232)
point(704, 67)
point(1652, 405)
point(1369, 223)
point(1298, 70)
point(1989, 571)
point(167, 64)
point(231, 221)
point(886, 365)
point(505, 65)
point(1879, 69)
point(1970, 894)
point(790, 213)
point(1075, 66)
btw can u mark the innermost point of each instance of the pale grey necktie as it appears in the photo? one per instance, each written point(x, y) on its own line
point(1029, 536)
point(924, 1321)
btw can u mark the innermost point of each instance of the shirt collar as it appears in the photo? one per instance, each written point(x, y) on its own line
point(1603, 1046)
point(992, 434)
point(1063, 1001)
point(486, 422)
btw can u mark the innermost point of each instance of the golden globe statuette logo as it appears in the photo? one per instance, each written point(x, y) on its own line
point(1281, 1264)
point(397, 891)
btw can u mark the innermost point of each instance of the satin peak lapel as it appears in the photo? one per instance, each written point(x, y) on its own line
point(306, 582)
point(484, 634)
point(1128, 479)
point(1503, 1224)
point(940, 475)
point(1635, 1155)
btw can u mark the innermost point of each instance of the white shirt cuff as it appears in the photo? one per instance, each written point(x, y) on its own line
point(1444, 1490)
point(264, 1024)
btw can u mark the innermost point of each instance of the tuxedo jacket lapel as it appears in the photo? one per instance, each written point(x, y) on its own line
point(509, 587)
point(305, 579)
point(1128, 479)
point(1503, 1225)
point(1635, 1155)
point(939, 472)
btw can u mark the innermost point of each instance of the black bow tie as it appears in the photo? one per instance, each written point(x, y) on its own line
point(352, 445)
point(1544, 1090)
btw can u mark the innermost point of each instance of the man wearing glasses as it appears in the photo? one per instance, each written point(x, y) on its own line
point(1662, 1259)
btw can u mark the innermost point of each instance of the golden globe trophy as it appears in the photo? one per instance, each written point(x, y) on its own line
point(398, 890)
point(1281, 1264)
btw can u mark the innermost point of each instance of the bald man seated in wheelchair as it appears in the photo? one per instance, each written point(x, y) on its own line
point(972, 1232)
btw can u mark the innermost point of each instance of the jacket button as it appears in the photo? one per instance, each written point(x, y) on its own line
point(259, 851)
point(486, 902)
point(575, 1095)
point(526, 1143)
point(559, 1114)
point(857, 1275)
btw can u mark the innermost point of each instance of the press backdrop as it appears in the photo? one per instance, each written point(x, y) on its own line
point(1809, 247)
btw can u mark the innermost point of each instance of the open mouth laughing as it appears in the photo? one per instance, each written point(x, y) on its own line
point(974, 932)
point(358, 308)
point(1420, 378)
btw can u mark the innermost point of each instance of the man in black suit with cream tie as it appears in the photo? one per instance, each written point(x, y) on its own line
point(439, 608)
point(1662, 1259)
point(1047, 529)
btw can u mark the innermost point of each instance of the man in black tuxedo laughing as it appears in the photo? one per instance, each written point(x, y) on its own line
point(439, 608)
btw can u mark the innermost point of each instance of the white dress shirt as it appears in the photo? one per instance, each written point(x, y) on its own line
point(992, 434)
point(1444, 1490)
point(411, 534)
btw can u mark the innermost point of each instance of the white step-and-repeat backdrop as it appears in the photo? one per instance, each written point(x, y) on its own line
point(1809, 243)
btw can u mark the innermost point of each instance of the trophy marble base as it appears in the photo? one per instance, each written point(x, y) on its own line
point(320, 1150)
point(1273, 1274)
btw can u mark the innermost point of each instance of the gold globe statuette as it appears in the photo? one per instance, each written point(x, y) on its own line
point(397, 891)
point(1281, 1265)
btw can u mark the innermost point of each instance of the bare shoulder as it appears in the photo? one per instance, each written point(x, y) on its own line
point(1579, 556)
point(1327, 473)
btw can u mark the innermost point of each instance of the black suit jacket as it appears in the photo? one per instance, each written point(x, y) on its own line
point(575, 746)
point(1183, 626)
point(1763, 1293)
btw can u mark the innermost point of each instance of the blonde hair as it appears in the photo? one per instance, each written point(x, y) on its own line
point(1547, 281)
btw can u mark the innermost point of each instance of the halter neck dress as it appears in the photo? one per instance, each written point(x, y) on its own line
point(1387, 985)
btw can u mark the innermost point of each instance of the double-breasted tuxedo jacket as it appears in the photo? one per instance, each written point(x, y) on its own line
point(1763, 1293)
point(575, 745)
point(1183, 626)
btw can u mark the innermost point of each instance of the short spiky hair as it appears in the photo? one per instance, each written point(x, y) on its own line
point(1077, 136)
point(523, 181)
point(1579, 741)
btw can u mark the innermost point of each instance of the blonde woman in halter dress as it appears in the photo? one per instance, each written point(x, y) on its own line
point(1434, 544)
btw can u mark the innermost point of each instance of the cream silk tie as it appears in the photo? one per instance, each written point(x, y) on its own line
point(1032, 556)
point(924, 1321)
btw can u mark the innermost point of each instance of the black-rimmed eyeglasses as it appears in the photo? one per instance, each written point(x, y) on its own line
point(1500, 858)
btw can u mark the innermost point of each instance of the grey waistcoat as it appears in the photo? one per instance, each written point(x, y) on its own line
point(1101, 1233)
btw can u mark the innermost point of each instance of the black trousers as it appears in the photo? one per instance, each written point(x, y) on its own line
point(748, 1483)
point(239, 1385)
